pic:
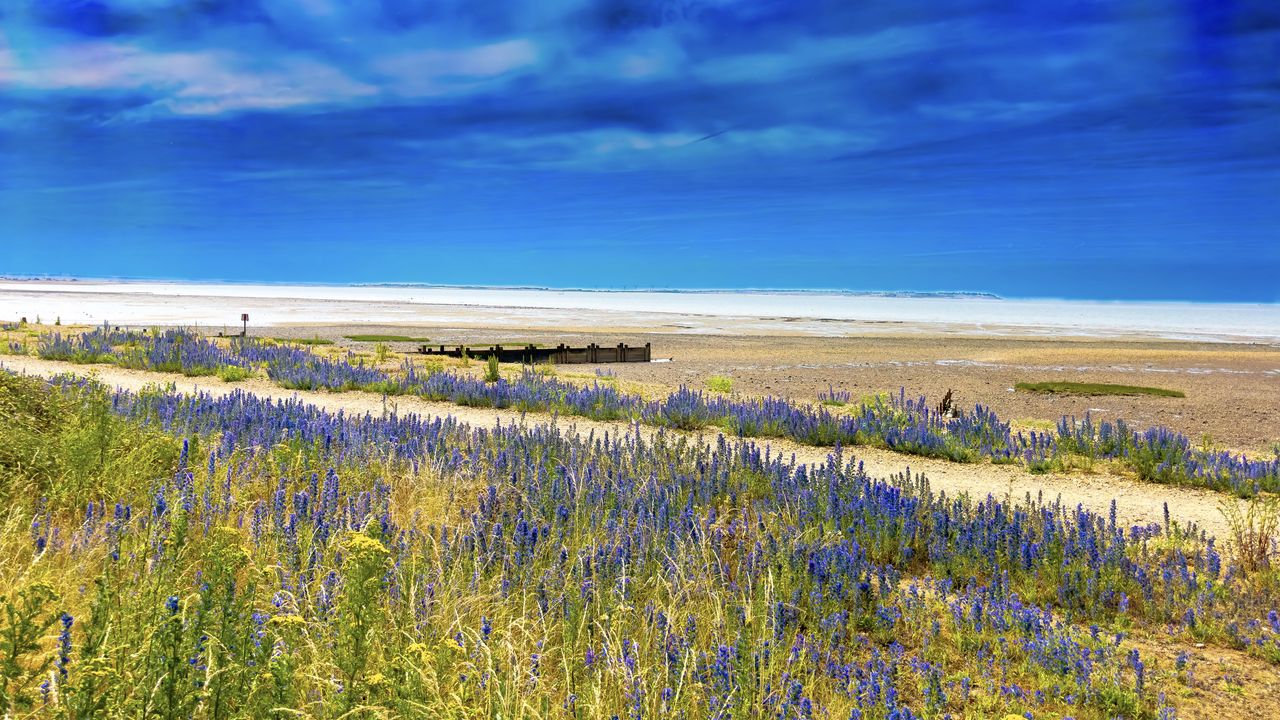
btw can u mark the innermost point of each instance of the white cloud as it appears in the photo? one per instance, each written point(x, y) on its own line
point(295, 83)
point(212, 81)
point(992, 110)
point(199, 82)
point(613, 149)
point(417, 73)
point(808, 55)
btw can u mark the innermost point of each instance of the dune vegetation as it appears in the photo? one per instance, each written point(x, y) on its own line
point(188, 556)
point(905, 424)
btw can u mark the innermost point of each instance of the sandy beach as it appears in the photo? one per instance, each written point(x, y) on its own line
point(1225, 358)
point(771, 313)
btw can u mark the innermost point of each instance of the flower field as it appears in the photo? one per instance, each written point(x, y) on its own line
point(897, 422)
point(185, 556)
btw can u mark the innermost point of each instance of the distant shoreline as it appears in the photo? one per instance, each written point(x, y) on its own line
point(547, 288)
point(839, 292)
point(713, 312)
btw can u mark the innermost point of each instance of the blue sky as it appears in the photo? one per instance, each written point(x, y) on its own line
point(1082, 149)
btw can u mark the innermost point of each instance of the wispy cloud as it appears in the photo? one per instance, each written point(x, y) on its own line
point(874, 127)
point(196, 82)
point(433, 72)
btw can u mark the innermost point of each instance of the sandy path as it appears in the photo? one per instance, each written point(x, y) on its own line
point(1136, 502)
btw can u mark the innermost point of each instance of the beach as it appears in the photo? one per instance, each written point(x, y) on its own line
point(1221, 376)
point(1224, 358)
point(779, 313)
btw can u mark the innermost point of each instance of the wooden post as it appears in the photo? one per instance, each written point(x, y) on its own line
point(648, 353)
point(244, 318)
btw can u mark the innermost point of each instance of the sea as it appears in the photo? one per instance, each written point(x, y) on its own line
point(817, 312)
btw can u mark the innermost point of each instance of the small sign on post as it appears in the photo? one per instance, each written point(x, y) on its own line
point(244, 318)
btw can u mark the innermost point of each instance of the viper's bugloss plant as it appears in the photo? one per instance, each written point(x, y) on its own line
point(295, 561)
point(904, 424)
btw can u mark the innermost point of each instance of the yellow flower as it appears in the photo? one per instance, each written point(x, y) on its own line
point(289, 620)
point(455, 644)
point(360, 544)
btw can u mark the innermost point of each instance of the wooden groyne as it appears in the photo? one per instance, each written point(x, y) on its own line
point(561, 354)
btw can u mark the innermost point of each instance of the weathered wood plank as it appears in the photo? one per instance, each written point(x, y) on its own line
point(560, 354)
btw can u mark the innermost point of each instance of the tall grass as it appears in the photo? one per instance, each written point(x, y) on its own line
point(1255, 531)
point(291, 561)
point(68, 449)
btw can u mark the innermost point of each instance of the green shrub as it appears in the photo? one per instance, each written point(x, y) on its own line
point(720, 384)
point(385, 387)
point(491, 372)
point(234, 373)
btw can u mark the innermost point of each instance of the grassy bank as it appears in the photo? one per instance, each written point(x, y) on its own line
point(1079, 388)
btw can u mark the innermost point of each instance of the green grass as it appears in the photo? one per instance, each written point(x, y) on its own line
point(386, 338)
point(305, 341)
point(1077, 388)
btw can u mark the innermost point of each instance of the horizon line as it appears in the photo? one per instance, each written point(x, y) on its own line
point(900, 294)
